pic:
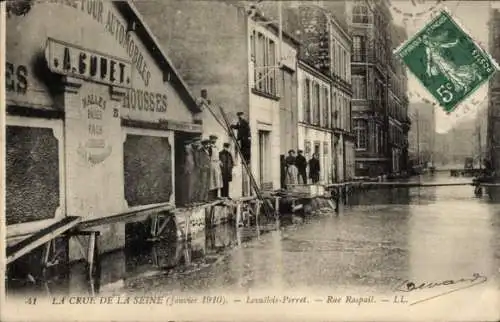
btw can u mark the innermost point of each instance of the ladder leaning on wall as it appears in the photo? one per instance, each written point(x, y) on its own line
point(226, 125)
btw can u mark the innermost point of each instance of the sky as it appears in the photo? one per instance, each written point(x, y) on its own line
point(473, 17)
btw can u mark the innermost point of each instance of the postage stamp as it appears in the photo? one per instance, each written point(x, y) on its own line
point(447, 61)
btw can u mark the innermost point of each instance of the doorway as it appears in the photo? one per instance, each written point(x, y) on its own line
point(265, 177)
point(179, 154)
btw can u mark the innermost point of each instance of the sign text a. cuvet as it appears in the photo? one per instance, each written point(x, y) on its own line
point(71, 60)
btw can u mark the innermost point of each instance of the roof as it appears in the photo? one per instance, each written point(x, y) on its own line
point(275, 27)
point(128, 9)
point(306, 66)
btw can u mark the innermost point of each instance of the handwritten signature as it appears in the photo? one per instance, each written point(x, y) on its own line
point(463, 283)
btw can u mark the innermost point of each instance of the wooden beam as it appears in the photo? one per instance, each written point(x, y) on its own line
point(129, 216)
point(41, 237)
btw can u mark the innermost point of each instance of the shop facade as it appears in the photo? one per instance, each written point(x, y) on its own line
point(95, 113)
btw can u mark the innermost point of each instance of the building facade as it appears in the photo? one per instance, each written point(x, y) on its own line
point(234, 56)
point(94, 114)
point(422, 135)
point(369, 28)
point(326, 47)
point(397, 106)
point(269, 77)
point(315, 132)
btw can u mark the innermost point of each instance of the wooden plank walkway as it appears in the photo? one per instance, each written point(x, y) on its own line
point(41, 237)
point(415, 184)
point(395, 184)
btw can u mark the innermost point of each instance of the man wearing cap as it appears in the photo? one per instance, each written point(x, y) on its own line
point(215, 181)
point(243, 136)
point(227, 165)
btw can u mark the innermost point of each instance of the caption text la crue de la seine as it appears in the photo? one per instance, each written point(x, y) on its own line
point(170, 300)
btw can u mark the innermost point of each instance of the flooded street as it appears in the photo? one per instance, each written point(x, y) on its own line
point(382, 238)
point(379, 242)
point(417, 234)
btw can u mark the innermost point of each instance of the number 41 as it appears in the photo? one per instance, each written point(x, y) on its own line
point(31, 300)
point(444, 92)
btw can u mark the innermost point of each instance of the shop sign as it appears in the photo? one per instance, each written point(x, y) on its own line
point(94, 147)
point(71, 60)
point(16, 78)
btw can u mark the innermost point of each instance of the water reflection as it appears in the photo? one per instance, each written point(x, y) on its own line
point(379, 238)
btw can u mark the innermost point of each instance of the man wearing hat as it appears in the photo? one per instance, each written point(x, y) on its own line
point(227, 165)
point(197, 172)
point(215, 181)
point(244, 136)
point(188, 174)
point(301, 163)
point(204, 179)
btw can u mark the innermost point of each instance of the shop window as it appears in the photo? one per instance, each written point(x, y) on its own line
point(147, 169)
point(32, 174)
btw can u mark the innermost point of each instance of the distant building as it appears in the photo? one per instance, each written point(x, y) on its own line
point(422, 136)
point(219, 46)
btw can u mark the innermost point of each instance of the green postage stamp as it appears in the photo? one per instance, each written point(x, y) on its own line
point(447, 61)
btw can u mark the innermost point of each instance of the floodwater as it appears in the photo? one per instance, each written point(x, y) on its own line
point(376, 241)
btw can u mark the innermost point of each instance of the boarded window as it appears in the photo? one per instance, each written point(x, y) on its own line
point(32, 174)
point(147, 169)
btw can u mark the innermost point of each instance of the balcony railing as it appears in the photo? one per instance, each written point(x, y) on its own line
point(368, 58)
point(343, 82)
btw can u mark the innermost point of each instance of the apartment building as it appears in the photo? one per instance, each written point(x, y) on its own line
point(368, 25)
point(397, 106)
point(315, 131)
point(233, 53)
point(326, 47)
